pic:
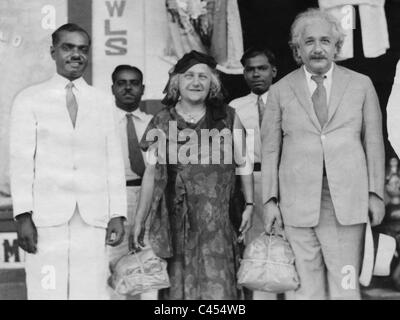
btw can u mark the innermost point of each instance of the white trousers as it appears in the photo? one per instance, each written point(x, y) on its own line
point(70, 264)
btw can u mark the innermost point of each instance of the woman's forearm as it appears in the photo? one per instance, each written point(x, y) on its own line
point(248, 187)
point(146, 194)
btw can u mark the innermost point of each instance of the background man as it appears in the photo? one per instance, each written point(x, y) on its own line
point(67, 177)
point(128, 89)
point(259, 71)
point(322, 160)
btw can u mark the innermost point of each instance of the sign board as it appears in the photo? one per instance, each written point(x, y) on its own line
point(11, 256)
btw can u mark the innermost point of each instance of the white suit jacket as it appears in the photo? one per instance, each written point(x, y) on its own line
point(54, 166)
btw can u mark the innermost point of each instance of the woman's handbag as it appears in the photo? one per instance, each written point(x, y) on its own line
point(139, 272)
point(268, 265)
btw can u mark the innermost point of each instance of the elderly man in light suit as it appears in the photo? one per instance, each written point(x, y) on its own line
point(67, 177)
point(322, 161)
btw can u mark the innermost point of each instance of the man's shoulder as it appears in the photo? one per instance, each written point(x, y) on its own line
point(97, 92)
point(99, 96)
point(35, 90)
point(146, 116)
point(294, 75)
point(238, 102)
point(356, 76)
point(285, 81)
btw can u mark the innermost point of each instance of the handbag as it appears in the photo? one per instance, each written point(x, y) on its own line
point(138, 272)
point(268, 265)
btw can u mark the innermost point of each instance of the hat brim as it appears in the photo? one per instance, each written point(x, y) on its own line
point(378, 255)
point(367, 266)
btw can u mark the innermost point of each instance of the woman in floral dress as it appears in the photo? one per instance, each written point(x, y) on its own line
point(188, 190)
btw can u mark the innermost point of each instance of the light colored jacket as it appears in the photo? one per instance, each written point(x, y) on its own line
point(294, 148)
point(53, 166)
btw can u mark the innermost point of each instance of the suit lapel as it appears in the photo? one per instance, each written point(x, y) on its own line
point(340, 81)
point(300, 88)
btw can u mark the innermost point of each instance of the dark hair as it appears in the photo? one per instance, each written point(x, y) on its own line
point(68, 27)
point(122, 67)
point(256, 51)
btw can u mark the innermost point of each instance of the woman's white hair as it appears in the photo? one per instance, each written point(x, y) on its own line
point(173, 94)
point(301, 22)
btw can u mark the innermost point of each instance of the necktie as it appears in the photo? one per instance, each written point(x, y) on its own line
point(260, 106)
point(319, 100)
point(135, 154)
point(72, 105)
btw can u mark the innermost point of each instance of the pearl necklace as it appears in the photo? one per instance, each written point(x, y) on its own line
point(190, 117)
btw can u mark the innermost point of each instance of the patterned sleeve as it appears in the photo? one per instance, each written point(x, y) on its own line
point(148, 136)
point(154, 143)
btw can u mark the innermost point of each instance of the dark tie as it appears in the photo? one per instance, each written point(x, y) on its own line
point(135, 154)
point(260, 106)
point(72, 105)
point(319, 100)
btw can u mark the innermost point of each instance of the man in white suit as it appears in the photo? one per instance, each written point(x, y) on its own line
point(323, 161)
point(67, 177)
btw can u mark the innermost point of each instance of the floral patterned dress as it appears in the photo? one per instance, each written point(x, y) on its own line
point(190, 216)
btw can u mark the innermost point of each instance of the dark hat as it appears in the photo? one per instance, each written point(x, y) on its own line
point(191, 58)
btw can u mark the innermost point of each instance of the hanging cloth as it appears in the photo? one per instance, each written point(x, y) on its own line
point(374, 30)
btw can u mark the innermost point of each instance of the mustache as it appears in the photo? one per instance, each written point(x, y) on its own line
point(317, 56)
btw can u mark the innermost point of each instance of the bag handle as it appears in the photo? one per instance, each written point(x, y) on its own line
point(270, 235)
point(135, 254)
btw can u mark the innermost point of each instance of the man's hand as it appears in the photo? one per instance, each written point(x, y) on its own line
point(246, 222)
point(27, 233)
point(115, 231)
point(272, 214)
point(136, 236)
point(376, 208)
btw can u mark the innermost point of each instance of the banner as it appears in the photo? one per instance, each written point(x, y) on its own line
point(11, 256)
point(134, 33)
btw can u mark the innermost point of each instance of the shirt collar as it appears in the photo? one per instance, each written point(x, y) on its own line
point(62, 82)
point(138, 114)
point(264, 96)
point(328, 74)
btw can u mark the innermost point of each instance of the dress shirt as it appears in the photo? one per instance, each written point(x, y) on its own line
point(247, 110)
point(141, 121)
point(327, 82)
